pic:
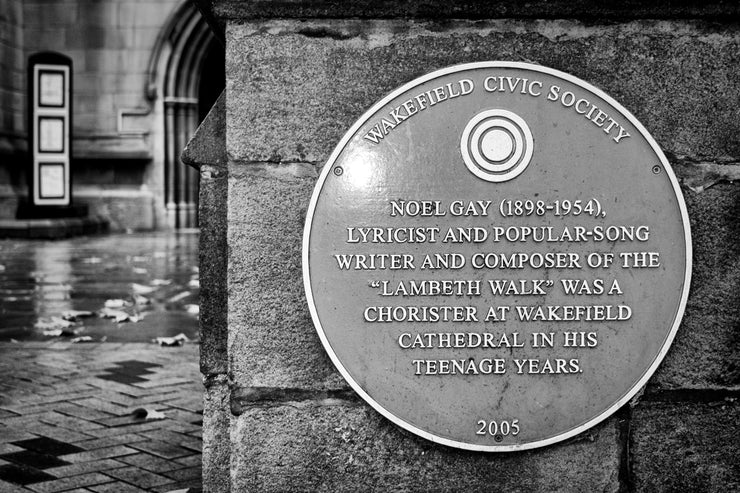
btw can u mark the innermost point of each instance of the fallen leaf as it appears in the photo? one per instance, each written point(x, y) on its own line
point(177, 340)
point(141, 300)
point(73, 315)
point(2, 268)
point(179, 296)
point(58, 332)
point(194, 283)
point(148, 414)
point(139, 270)
point(192, 309)
point(110, 313)
point(82, 339)
point(142, 289)
point(115, 303)
point(52, 323)
point(161, 282)
point(140, 258)
point(92, 260)
point(118, 315)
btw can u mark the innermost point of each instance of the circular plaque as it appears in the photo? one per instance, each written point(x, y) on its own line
point(497, 256)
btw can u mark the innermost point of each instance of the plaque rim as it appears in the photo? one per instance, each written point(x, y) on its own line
point(631, 392)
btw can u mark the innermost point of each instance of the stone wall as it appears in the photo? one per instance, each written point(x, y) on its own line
point(12, 99)
point(298, 75)
point(12, 61)
point(111, 43)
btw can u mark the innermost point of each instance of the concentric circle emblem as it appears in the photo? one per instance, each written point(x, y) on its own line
point(497, 145)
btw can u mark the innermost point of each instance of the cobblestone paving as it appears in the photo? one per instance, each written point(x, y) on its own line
point(78, 417)
point(85, 417)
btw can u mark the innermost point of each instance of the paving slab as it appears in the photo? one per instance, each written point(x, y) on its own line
point(73, 416)
point(78, 431)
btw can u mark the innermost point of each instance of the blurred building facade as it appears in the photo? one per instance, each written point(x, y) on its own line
point(145, 72)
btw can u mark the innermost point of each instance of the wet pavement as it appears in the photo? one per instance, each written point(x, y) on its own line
point(151, 277)
point(99, 417)
point(88, 402)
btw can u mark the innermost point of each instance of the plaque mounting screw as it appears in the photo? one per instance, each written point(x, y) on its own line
point(338, 171)
point(656, 169)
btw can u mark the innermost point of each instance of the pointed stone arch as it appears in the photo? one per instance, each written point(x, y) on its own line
point(175, 74)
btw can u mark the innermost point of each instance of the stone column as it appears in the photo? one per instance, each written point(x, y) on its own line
point(278, 416)
point(170, 164)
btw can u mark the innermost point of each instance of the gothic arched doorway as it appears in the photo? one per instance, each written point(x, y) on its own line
point(186, 76)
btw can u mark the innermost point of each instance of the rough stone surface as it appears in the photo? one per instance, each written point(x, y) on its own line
point(341, 446)
point(436, 9)
point(706, 351)
point(685, 446)
point(295, 426)
point(679, 78)
point(281, 116)
point(272, 341)
point(207, 151)
point(212, 253)
point(208, 144)
point(216, 444)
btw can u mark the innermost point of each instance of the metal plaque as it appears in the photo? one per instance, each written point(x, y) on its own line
point(497, 256)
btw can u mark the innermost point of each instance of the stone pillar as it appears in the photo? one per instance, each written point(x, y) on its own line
point(278, 416)
point(207, 153)
point(170, 164)
point(192, 174)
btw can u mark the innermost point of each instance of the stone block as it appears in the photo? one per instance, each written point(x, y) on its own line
point(143, 37)
point(213, 255)
point(125, 209)
point(706, 350)
point(272, 342)
point(8, 206)
point(47, 35)
point(469, 9)
point(667, 74)
point(152, 12)
point(115, 61)
point(336, 445)
point(13, 12)
point(126, 14)
point(216, 445)
point(50, 14)
point(685, 446)
point(207, 151)
point(99, 14)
